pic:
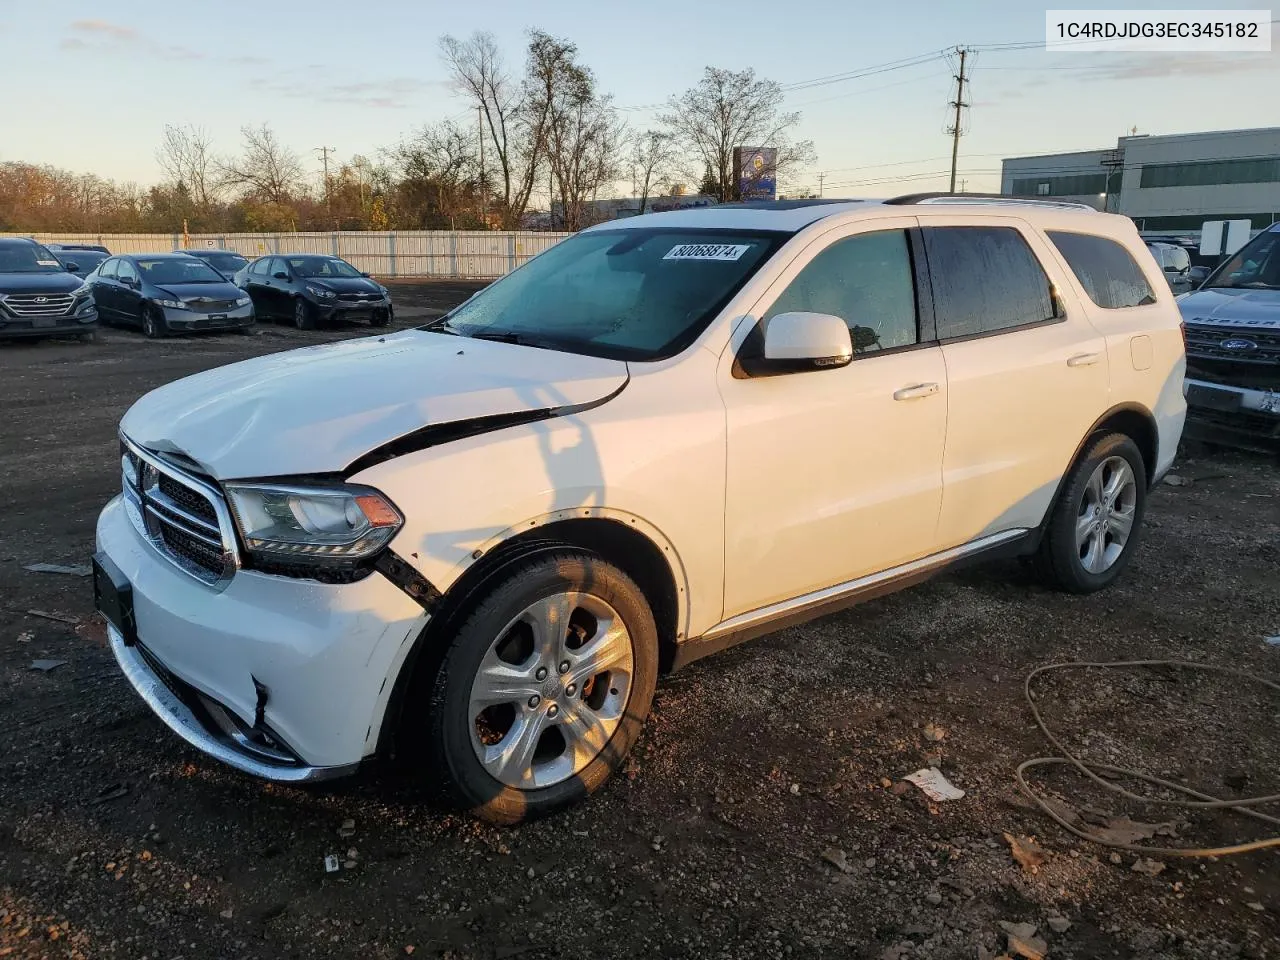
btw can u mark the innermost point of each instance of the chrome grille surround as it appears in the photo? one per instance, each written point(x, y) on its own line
point(193, 529)
point(39, 304)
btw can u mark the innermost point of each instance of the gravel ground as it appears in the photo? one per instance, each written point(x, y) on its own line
point(764, 813)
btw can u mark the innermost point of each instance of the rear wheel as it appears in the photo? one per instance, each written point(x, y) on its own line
point(1095, 524)
point(153, 322)
point(543, 690)
point(304, 316)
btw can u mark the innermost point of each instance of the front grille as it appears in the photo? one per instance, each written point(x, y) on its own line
point(1264, 426)
point(359, 297)
point(211, 306)
point(1234, 373)
point(183, 516)
point(38, 304)
point(1241, 357)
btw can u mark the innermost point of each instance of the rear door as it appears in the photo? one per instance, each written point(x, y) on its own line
point(1026, 373)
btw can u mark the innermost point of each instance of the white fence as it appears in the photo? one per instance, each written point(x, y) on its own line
point(401, 253)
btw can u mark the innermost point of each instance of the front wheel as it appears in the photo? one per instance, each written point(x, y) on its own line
point(304, 316)
point(1094, 527)
point(153, 322)
point(543, 690)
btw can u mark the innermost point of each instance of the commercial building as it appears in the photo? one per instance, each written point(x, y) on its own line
point(1165, 183)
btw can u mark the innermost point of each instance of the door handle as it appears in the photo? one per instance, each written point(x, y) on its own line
point(1083, 359)
point(915, 391)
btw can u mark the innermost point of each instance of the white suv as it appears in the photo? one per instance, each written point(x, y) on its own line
point(476, 544)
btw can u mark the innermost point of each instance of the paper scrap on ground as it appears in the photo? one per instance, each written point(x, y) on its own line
point(78, 570)
point(46, 665)
point(934, 784)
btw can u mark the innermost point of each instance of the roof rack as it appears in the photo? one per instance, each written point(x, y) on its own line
point(983, 198)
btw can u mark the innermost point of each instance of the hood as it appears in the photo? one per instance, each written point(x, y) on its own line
point(318, 409)
point(39, 282)
point(1232, 307)
point(201, 291)
point(345, 284)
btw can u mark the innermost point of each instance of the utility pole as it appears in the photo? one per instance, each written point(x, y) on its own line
point(484, 195)
point(959, 104)
point(821, 177)
point(324, 159)
point(962, 183)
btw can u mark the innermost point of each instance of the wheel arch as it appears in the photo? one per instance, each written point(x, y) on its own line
point(628, 542)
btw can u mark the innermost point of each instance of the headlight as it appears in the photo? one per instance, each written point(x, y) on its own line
point(172, 304)
point(318, 525)
point(242, 301)
point(324, 293)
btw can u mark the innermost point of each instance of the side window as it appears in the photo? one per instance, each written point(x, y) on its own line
point(277, 265)
point(866, 281)
point(1104, 268)
point(985, 279)
point(108, 269)
point(258, 267)
point(125, 270)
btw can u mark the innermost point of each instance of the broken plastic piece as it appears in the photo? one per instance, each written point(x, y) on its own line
point(934, 784)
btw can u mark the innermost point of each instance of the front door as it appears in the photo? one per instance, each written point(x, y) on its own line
point(836, 474)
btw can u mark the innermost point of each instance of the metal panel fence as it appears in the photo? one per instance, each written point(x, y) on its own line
point(402, 253)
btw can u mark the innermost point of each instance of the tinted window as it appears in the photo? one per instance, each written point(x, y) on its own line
point(258, 267)
point(125, 271)
point(322, 267)
point(985, 279)
point(108, 269)
point(866, 281)
point(179, 270)
point(28, 258)
point(1104, 268)
point(227, 263)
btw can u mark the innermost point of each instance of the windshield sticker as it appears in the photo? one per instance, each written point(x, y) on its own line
point(707, 251)
point(47, 263)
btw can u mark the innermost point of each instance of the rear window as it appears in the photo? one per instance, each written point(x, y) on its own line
point(1109, 275)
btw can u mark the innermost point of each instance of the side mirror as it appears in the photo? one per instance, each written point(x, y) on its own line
point(72, 266)
point(796, 342)
point(280, 275)
point(364, 274)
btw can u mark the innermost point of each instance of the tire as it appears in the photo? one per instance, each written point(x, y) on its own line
point(153, 322)
point(304, 316)
point(89, 336)
point(1089, 538)
point(380, 320)
point(534, 695)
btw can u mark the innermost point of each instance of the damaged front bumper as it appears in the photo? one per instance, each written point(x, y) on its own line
point(1239, 416)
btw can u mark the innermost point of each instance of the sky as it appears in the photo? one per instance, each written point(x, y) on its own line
point(99, 81)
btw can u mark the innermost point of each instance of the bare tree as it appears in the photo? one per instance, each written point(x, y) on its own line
point(652, 155)
point(186, 155)
point(437, 175)
point(516, 133)
point(266, 169)
point(728, 109)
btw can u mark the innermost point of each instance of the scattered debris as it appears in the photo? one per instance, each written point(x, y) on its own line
point(1124, 830)
point(934, 784)
point(59, 617)
point(1059, 924)
point(348, 829)
point(408, 949)
point(1174, 480)
point(227, 914)
point(44, 666)
point(349, 865)
point(899, 788)
point(1255, 907)
point(331, 863)
point(934, 733)
point(1148, 866)
point(76, 570)
point(113, 792)
point(26, 636)
point(886, 782)
point(1026, 851)
point(933, 897)
point(795, 789)
point(836, 857)
point(1023, 941)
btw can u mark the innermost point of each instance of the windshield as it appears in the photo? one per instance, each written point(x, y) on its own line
point(1256, 266)
point(322, 267)
point(179, 270)
point(28, 258)
point(639, 294)
point(225, 262)
point(86, 260)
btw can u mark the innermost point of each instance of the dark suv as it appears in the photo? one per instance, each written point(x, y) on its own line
point(1232, 326)
point(38, 296)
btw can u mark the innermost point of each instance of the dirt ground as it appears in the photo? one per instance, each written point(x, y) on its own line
point(764, 814)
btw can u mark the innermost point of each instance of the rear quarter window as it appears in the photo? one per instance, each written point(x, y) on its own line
point(1109, 275)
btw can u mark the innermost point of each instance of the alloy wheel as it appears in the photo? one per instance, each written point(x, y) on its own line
point(1105, 519)
point(551, 690)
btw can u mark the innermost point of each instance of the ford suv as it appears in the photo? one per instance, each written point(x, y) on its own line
point(1233, 348)
point(476, 544)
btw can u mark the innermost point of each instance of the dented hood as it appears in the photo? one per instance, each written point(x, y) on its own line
point(317, 409)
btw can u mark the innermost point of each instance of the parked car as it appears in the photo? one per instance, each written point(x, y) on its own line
point(1175, 263)
point(94, 247)
point(310, 289)
point(39, 297)
point(1233, 348)
point(480, 540)
point(226, 262)
point(165, 293)
point(82, 262)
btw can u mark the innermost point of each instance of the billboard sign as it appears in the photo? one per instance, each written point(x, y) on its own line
point(757, 169)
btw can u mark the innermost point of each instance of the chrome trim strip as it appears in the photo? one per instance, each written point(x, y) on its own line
point(784, 608)
point(177, 511)
point(177, 524)
point(179, 718)
point(226, 525)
